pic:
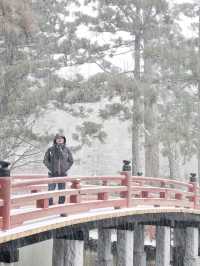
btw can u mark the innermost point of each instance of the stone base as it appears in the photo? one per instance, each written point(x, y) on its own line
point(139, 259)
point(108, 262)
point(191, 261)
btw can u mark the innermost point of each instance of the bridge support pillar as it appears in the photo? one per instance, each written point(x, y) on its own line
point(139, 255)
point(179, 246)
point(58, 252)
point(104, 255)
point(67, 252)
point(124, 248)
point(191, 247)
point(162, 246)
point(73, 254)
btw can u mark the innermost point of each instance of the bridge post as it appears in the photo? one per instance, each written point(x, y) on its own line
point(139, 255)
point(179, 236)
point(104, 255)
point(58, 252)
point(126, 171)
point(124, 248)
point(5, 194)
point(191, 248)
point(73, 252)
point(75, 185)
point(162, 246)
point(103, 195)
point(193, 182)
point(68, 251)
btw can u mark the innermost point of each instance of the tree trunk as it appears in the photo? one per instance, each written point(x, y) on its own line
point(173, 159)
point(151, 139)
point(150, 116)
point(136, 103)
point(198, 152)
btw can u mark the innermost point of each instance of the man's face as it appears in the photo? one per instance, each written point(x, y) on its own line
point(60, 140)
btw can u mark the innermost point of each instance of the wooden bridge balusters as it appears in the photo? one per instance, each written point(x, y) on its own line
point(76, 185)
point(194, 189)
point(178, 196)
point(42, 203)
point(124, 182)
point(123, 194)
point(195, 196)
point(163, 194)
point(5, 194)
point(144, 194)
point(129, 194)
point(127, 182)
point(103, 195)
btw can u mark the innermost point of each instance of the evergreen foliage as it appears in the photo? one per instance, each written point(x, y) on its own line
point(159, 93)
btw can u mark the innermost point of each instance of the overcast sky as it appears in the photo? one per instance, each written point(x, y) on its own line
point(124, 61)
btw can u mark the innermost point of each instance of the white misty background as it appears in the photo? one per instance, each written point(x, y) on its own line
point(119, 78)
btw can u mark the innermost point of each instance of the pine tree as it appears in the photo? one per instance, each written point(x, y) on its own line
point(191, 78)
point(135, 19)
point(19, 101)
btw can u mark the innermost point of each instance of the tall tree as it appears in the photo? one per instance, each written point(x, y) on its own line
point(19, 100)
point(192, 63)
point(134, 19)
point(154, 13)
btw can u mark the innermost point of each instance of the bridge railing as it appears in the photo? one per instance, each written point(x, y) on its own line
point(25, 198)
point(164, 192)
point(29, 198)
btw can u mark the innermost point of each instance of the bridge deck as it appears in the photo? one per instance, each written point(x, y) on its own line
point(113, 201)
point(107, 217)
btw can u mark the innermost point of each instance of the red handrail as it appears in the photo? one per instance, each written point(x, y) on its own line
point(111, 191)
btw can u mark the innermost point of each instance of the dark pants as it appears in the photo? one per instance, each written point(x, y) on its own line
point(53, 187)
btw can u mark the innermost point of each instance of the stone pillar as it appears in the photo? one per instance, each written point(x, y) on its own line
point(67, 252)
point(139, 255)
point(124, 248)
point(179, 246)
point(104, 255)
point(58, 252)
point(73, 255)
point(191, 247)
point(162, 246)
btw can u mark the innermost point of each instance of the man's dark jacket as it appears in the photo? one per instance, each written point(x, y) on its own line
point(58, 159)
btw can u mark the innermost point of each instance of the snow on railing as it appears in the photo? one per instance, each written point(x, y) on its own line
point(24, 198)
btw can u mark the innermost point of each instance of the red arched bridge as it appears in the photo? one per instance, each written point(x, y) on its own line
point(124, 202)
point(25, 198)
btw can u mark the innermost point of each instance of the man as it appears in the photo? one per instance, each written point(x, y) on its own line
point(58, 159)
